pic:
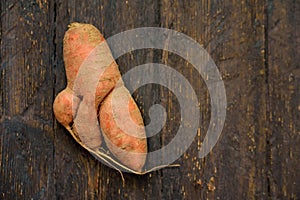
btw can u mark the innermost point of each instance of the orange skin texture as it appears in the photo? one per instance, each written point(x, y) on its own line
point(63, 107)
point(130, 148)
point(78, 44)
point(107, 82)
point(79, 41)
point(77, 47)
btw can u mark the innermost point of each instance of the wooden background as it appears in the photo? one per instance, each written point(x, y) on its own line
point(255, 45)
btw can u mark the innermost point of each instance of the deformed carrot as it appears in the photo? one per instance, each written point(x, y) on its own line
point(128, 146)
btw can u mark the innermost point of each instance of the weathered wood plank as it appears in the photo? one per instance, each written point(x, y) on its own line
point(26, 145)
point(253, 43)
point(284, 104)
point(240, 156)
point(233, 34)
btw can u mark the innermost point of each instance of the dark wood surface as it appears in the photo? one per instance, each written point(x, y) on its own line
point(255, 45)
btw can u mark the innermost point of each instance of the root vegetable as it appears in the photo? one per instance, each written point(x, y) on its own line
point(130, 149)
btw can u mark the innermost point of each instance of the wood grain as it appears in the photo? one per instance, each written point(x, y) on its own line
point(27, 161)
point(284, 99)
point(255, 45)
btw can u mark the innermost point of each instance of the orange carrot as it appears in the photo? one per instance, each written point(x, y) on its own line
point(128, 146)
point(79, 41)
point(62, 107)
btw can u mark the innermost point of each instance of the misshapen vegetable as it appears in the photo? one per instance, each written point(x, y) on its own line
point(129, 148)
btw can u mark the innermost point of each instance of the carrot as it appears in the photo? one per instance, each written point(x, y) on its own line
point(62, 107)
point(129, 148)
point(79, 41)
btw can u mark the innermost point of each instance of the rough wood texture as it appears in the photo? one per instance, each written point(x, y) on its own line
point(283, 80)
point(255, 45)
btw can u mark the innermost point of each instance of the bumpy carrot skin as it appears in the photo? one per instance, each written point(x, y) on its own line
point(62, 107)
point(130, 148)
point(79, 42)
point(107, 82)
